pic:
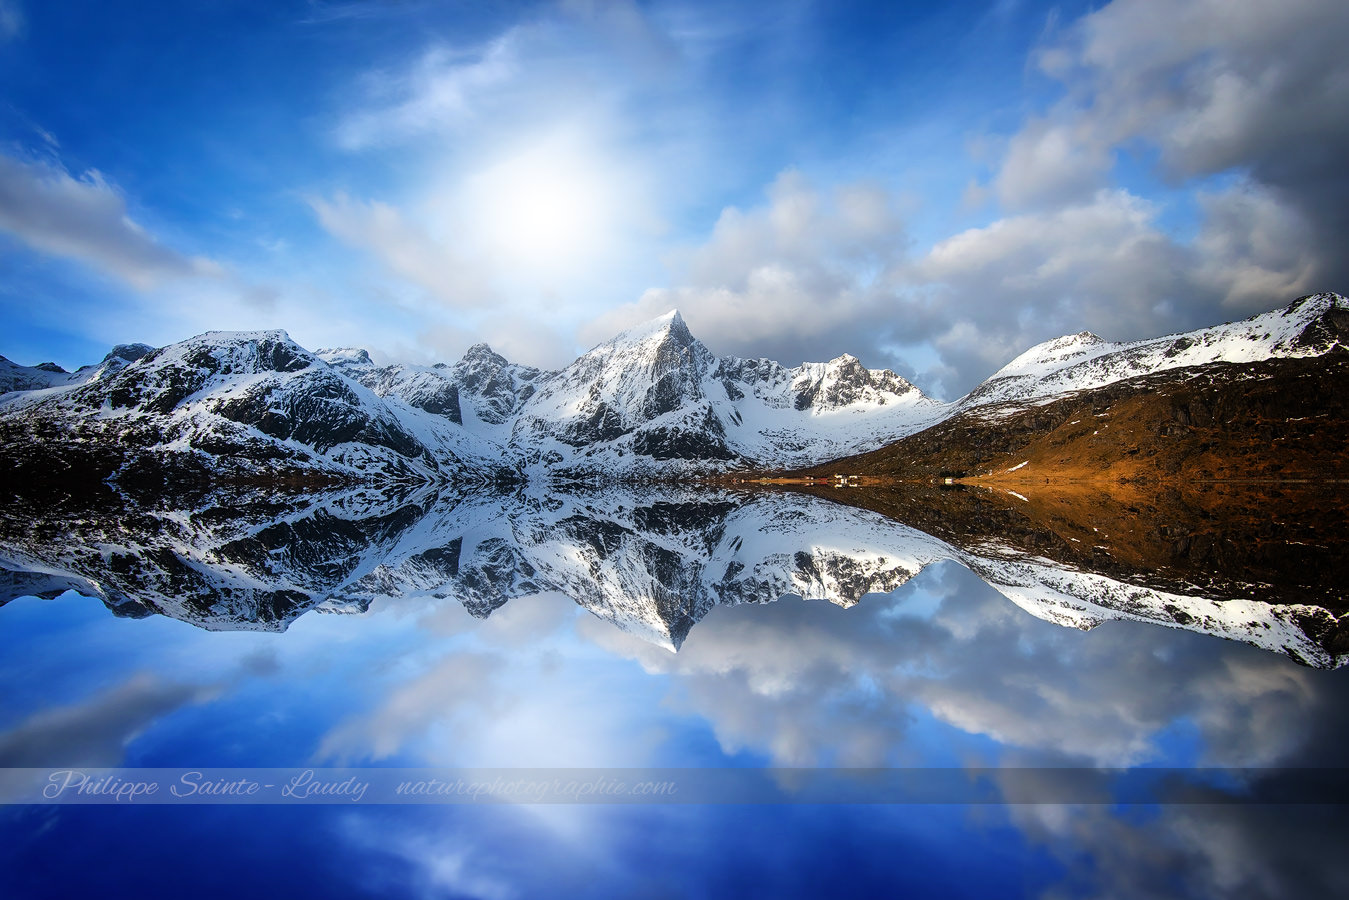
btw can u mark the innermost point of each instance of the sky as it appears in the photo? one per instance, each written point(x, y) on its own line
point(930, 187)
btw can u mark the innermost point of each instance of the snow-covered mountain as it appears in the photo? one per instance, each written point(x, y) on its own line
point(1310, 326)
point(654, 399)
point(653, 402)
point(482, 392)
point(652, 562)
point(14, 377)
point(235, 404)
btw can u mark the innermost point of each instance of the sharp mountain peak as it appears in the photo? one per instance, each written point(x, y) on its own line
point(651, 402)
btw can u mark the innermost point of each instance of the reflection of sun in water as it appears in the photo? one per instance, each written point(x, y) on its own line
point(545, 208)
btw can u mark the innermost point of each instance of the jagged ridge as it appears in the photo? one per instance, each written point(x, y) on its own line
point(653, 402)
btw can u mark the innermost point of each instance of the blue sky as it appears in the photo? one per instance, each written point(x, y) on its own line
point(932, 187)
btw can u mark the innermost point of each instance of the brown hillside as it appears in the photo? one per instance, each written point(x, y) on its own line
point(1277, 419)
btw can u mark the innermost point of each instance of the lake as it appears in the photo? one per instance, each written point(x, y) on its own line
point(656, 690)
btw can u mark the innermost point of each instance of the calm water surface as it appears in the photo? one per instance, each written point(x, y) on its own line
point(642, 630)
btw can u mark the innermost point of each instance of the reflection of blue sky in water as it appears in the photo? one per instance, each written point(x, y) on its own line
point(944, 671)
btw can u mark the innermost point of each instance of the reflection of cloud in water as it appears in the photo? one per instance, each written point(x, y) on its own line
point(460, 685)
point(807, 685)
point(96, 731)
point(942, 671)
point(516, 690)
point(1192, 851)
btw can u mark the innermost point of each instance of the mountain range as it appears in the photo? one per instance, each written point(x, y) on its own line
point(652, 403)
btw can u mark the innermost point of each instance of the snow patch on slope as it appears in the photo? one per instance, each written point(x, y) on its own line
point(1310, 326)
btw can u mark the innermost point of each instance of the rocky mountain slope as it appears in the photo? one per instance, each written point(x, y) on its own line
point(49, 375)
point(652, 402)
point(1310, 326)
point(1258, 399)
point(232, 405)
point(655, 403)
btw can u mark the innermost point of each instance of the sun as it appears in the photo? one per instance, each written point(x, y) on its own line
point(546, 207)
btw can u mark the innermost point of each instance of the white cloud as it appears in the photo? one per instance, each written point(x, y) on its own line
point(1102, 264)
point(492, 700)
point(459, 683)
point(782, 277)
point(405, 247)
point(1253, 249)
point(1049, 163)
point(86, 219)
point(573, 58)
point(1216, 83)
point(446, 89)
point(1107, 265)
point(1210, 87)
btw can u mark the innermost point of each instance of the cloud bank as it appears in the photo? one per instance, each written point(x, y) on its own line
point(86, 219)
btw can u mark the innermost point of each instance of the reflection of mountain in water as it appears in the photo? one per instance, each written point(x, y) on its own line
point(652, 561)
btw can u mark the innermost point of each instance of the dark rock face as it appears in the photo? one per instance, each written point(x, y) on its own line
point(159, 391)
point(601, 424)
point(707, 519)
point(674, 590)
point(499, 388)
point(499, 573)
point(129, 352)
point(479, 368)
point(748, 371)
point(443, 402)
point(236, 406)
point(673, 390)
point(324, 414)
point(845, 380)
point(702, 438)
point(676, 372)
point(1327, 330)
point(431, 390)
point(852, 580)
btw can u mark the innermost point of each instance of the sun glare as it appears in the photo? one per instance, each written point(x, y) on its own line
point(543, 208)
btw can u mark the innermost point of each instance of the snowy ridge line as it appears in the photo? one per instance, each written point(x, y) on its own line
point(1310, 326)
point(653, 403)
